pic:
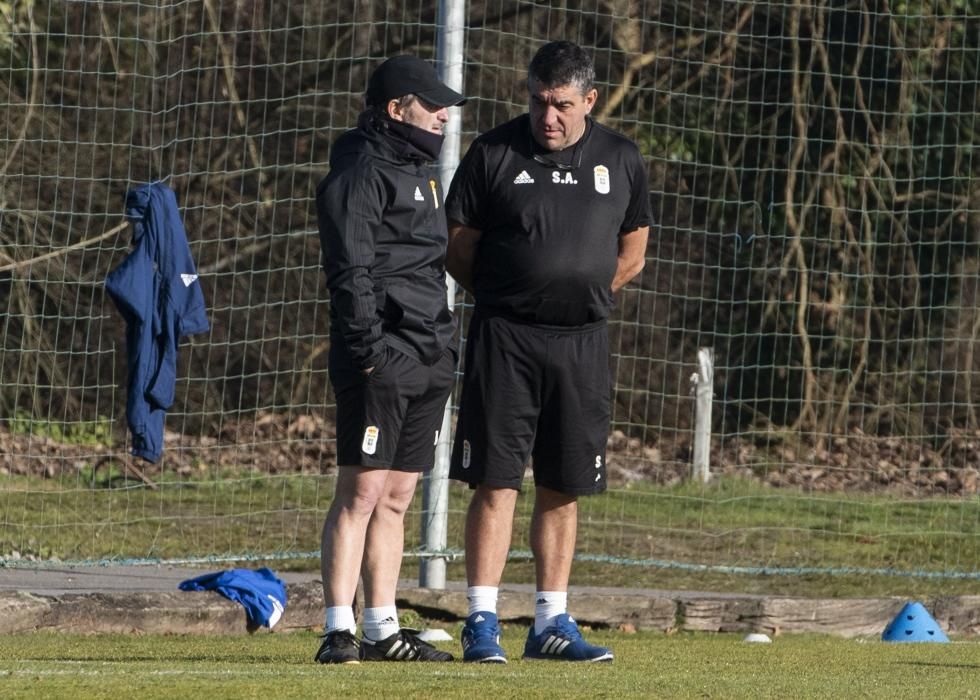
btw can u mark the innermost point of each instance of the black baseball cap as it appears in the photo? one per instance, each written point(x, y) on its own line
point(409, 75)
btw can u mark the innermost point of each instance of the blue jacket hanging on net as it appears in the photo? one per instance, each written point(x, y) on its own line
point(158, 294)
point(260, 592)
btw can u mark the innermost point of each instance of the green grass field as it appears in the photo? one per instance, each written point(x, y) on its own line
point(728, 523)
point(734, 522)
point(647, 665)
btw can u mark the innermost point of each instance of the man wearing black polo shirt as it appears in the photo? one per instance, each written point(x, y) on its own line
point(548, 217)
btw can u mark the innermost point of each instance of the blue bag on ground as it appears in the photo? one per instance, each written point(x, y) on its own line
point(260, 592)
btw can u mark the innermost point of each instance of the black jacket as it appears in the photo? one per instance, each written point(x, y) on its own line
point(383, 237)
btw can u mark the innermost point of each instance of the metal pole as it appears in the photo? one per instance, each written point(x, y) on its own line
point(703, 390)
point(449, 60)
point(435, 492)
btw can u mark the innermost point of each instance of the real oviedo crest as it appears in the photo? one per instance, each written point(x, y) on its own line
point(601, 174)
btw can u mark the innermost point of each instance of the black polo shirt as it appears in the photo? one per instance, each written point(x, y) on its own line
point(550, 232)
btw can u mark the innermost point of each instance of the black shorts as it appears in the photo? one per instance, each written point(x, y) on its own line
point(390, 419)
point(534, 391)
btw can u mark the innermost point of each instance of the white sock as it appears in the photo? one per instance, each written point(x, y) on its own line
point(482, 599)
point(547, 606)
point(340, 617)
point(380, 623)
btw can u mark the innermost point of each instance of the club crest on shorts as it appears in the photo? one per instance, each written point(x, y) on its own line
point(370, 443)
point(467, 454)
point(601, 174)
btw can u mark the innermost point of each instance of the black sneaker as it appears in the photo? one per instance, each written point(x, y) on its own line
point(403, 645)
point(339, 647)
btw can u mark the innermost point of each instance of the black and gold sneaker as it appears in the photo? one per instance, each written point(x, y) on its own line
point(339, 647)
point(403, 645)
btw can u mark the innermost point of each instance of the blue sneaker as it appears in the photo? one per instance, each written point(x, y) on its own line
point(481, 639)
point(563, 642)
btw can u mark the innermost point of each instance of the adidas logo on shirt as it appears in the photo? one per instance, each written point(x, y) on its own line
point(418, 195)
point(524, 179)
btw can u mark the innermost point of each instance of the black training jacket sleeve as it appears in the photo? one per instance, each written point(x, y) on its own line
point(349, 210)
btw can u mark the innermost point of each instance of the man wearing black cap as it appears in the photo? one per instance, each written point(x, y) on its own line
point(392, 347)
